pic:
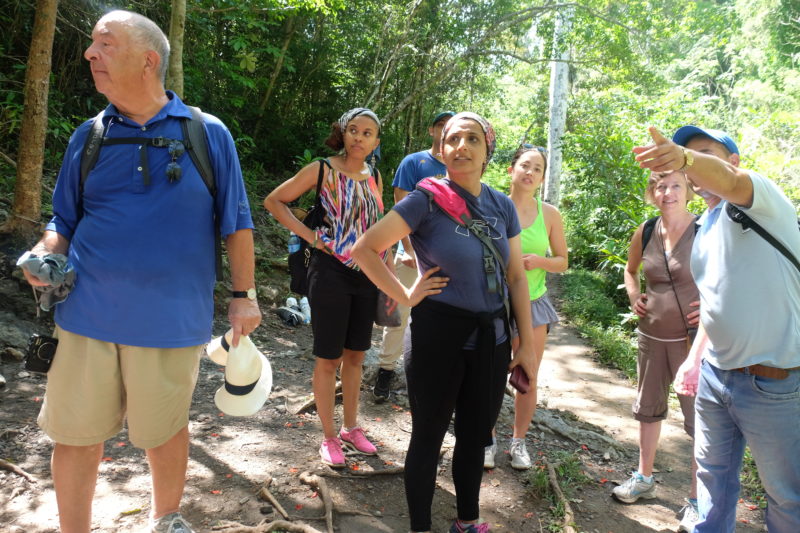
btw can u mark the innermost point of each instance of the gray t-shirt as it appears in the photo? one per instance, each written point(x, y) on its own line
point(439, 241)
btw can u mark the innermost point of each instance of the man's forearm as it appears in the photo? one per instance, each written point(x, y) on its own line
point(241, 253)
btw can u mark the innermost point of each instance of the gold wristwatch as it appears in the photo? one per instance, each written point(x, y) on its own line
point(688, 159)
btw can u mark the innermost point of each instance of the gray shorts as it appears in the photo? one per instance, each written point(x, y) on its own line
point(542, 313)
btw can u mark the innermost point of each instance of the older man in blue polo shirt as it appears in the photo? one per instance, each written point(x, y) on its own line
point(141, 240)
point(744, 366)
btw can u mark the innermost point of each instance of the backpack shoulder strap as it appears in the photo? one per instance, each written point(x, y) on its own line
point(194, 135)
point(740, 217)
point(647, 231)
point(91, 148)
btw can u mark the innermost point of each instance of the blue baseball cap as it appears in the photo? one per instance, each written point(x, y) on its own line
point(443, 114)
point(686, 133)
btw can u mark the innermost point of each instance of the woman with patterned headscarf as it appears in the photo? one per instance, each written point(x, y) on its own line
point(458, 351)
point(343, 300)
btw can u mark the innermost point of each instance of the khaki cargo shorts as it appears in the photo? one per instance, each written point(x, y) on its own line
point(93, 386)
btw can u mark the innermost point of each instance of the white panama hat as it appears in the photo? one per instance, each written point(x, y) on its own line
point(217, 349)
point(248, 380)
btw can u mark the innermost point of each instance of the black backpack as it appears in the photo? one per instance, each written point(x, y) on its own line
point(195, 141)
point(650, 224)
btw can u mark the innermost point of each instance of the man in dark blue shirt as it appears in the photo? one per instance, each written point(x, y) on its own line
point(142, 245)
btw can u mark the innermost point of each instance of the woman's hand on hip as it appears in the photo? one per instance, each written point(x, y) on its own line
point(425, 285)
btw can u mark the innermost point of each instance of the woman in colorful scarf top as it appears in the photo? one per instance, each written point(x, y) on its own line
point(458, 353)
point(343, 300)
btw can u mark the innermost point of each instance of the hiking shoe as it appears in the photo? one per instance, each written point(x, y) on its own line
point(633, 489)
point(690, 517)
point(520, 460)
point(458, 527)
point(382, 385)
point(171, 523)
point(331, 453)
point(488, 456)
point(357, 441)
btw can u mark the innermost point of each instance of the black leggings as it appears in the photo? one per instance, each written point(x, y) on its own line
point(441, 381)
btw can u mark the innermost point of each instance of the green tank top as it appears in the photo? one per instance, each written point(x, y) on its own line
point(535, 241)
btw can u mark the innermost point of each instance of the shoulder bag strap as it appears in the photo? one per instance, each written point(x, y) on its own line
point(739, 216)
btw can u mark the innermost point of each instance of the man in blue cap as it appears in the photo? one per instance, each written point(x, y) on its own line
point(412, 169)
point(744, 366)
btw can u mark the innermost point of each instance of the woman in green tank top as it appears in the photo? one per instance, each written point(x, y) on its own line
point(542, 229)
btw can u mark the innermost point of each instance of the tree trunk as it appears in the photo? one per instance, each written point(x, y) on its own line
point(559, 89)
point(177, 26)
point(27, 208)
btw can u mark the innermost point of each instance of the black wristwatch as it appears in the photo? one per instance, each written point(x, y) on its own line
point(250, 294)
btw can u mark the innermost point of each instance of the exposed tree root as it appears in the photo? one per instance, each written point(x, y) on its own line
point(322, 487)
point(569, 517)
point(11, 467)
point(277, 525)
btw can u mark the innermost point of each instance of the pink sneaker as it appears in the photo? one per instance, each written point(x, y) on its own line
point(357, 441)
point(331, 453)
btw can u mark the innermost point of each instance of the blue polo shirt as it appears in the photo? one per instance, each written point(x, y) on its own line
point(144, 253)
point(749, 292)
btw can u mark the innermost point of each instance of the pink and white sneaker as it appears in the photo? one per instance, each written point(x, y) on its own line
point(357, 441)
point(331, 453)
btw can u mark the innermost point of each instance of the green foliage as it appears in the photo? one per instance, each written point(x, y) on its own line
point(569, 472)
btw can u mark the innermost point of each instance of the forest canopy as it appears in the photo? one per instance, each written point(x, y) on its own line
point(278, 72)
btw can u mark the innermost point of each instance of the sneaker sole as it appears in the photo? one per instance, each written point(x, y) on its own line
point(378, 398)
point(520, 467)
point(488, 466)
point(634, 499)
point(333, 465)
point(352, 447)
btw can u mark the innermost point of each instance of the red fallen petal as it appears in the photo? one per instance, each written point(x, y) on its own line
point(603, 481)
point(215, 435)
point(584, 447)
point(744, 521)
point(298, 506)
point(377, 419)
point(388, 463)
point(107, 459)
point(293, 470)
point(287, 425)
point(119, 444)
point(220, 414)
point(228, 476)
point(741, 500)
point(314, 494)
point(216, 491)
point(354, 467)
point(752, 507)
point(529, 515)
point(37, 399)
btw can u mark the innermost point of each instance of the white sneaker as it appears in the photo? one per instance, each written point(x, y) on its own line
point(171, 523)
point(690, 518)
point(520, 460)
point(633, 489)
point(488, 456)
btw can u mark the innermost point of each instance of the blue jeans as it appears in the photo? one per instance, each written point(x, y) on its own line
point(734, 408)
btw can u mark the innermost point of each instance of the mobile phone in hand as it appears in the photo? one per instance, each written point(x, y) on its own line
point(519, 380)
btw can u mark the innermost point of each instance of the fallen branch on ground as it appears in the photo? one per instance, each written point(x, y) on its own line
point(277, 525)
point(312, 402)
point(11, 467)
point(322, 487)
point(364, 473)
point(265, 494)
point(568, 516)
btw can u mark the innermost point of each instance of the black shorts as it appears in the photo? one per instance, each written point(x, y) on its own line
point(343, 303)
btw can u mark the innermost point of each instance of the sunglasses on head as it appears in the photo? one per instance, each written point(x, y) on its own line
point(528, 146)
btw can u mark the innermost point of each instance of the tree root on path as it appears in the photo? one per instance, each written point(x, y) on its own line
point(11, 467)
point(322, 487)
point(592, 439)
point(277, 525)
point(363, 473)
point(569, 517)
